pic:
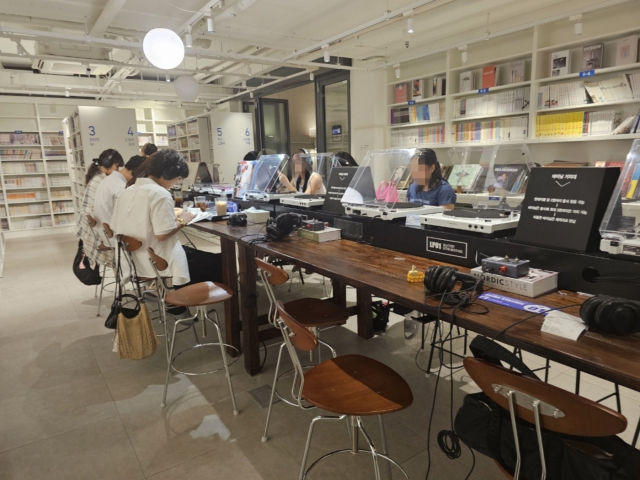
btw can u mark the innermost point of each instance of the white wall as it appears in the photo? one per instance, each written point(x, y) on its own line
point(368, 112)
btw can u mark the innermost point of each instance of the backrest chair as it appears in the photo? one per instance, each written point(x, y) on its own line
point(271, 276)
point(93, 223)
point(543, 405)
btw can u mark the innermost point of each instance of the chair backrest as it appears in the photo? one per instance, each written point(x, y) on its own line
point(295, 336)
point(92, 221)
point(129, 243)
point(157, 261)
point(271, 275)
point(107, 230)
point(542, 405)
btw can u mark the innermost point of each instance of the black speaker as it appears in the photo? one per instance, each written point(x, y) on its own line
point(611, 314)
point(443, 280)
point(237, 220)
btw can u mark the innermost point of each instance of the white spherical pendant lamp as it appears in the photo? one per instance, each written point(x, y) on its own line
point(163, 48)
point(187, 88)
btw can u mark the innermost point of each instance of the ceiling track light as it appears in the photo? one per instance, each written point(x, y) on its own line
point(463, 49)
point(410, 25)
point(577, 27)
point(188, 39)
point(250, 94)
point(397, 67)
point(119, 87)
point(168, 78)
point(66, 93)
point(327, 55)
point(311, 77)
point(211, 26)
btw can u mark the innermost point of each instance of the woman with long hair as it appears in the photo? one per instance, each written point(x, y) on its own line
point(304, 180)
point(429, 187)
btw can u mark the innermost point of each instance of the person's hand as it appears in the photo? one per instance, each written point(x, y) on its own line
point(282, 177)
point(186, 216)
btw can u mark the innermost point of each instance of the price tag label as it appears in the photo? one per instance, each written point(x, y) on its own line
point(60, 132)
point(17, 131)
point(411, 102)
point(587, 73)
point(483, 90)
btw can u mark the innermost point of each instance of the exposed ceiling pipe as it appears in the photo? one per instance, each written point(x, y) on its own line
point(270, 84)
point(233, 10)
point(230, 12)
point(64, 24)
point(109, 12)
point(27, 34)
point(352, 31)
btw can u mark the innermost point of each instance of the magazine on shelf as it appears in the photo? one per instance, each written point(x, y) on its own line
point(560, 62)
point(516, 71)
point(489, 76)
point(466, 81)
point(464, 176)
point(401, 93)
point(627, 50)
point(592, 56)
point(417, 89)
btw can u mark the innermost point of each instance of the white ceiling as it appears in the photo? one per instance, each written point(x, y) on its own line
point(274, 30)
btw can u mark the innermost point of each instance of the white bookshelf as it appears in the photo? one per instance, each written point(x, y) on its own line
point(535, 46)
point(192, 139)
point(33, 180)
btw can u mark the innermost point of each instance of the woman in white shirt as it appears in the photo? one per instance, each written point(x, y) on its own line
point(304, 180)
point(145, 211)
point(112, 187)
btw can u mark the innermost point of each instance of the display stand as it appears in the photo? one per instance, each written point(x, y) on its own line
point(373, 192)
point(322, 164)
point(492, 179)
point(90, 131)
point(620, 227)
point(264, 178)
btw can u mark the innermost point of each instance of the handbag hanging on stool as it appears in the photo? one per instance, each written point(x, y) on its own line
point(82, 268)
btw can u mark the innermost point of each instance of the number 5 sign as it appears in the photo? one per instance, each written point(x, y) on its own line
point(219, 131)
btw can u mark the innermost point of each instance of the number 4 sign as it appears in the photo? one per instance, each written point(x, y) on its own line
point(130, 131)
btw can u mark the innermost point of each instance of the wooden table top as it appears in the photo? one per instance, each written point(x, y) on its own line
point(383, 273)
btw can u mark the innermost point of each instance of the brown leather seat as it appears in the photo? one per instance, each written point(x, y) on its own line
point(313, 312)
point(356, 385)
point(200, 294)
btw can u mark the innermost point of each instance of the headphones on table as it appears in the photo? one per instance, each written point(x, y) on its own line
point(237, 220)
point(283, 225)
point(611, 314)
point(442, 280)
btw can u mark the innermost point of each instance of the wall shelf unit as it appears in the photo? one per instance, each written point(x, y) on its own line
point(534, 47)
point(192, 139)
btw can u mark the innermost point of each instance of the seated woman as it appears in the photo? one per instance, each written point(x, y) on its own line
point(428, 187)
point(148, 149)
point(145, 211)
point(303, 180)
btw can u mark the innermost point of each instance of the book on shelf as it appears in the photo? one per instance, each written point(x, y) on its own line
point(417, 89)
point(576, 124)
point(635, 128)
point(492, 104)
point(560, 62)
point(562, 95)
point(628, 125)
point(633, 191)
point(432, 112)
point(464, 176)
point(565, 163)
point(610, 90)
point(467, 81)
point(19, 139)
point(592, 56)
point(410, 137)
point(516, 71)
point(439, 86)
point(401, 93)
point(634, 81)
point(488, 76)
point(499, 129)
point(627, 50)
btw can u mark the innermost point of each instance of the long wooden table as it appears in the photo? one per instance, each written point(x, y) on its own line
point(383, 273)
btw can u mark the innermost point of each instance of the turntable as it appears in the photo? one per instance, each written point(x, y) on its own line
point(265, 176)
point(322, 164)
point(474, 220)
point(304, 201)
point(391, 211)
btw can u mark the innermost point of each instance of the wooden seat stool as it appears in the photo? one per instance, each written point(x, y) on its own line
point(351, 386)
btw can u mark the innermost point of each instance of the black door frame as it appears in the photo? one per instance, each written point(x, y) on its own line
point(322, 82)
point(260, 121)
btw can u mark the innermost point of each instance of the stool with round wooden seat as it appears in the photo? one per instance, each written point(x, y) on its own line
point(199, 296)
point(313, 313)
point(351, 386)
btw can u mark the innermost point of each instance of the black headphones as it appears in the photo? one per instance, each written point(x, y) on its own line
point(442, 280)
point(237, 220)
point(611, 315)
point(108, 161)
point(283, 225)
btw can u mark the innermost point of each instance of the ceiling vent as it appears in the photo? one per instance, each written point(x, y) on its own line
point(84, 54)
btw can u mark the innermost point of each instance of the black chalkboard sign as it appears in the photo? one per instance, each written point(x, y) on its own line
point(563, 207)
point(339, 180)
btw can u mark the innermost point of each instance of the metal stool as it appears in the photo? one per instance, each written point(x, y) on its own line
point(313, 313)
point(352, 386)
point(198, 296)
point(102, 248)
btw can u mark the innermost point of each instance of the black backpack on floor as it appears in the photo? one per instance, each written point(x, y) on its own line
point(486, 427)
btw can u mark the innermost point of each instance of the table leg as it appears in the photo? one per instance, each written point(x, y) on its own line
point(231, 306)
point(339, 293)
point(365, 316)
point(250, 334)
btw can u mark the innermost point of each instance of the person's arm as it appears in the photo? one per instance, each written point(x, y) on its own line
point(447, 197)
point(285, 182)
point(410, 197)
point(314, 184)
point(163, 218)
